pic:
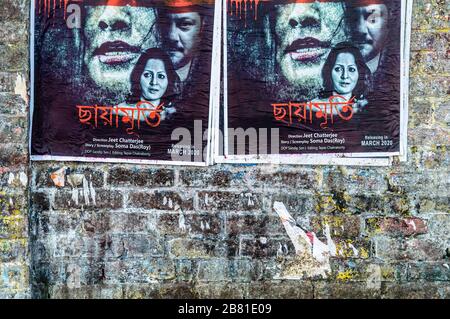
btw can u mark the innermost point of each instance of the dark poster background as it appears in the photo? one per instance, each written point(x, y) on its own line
point(64, 79)
point(256, 33)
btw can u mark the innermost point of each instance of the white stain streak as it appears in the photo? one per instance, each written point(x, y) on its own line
point(446, 266)
point(165, 201)
point(412, 223)
point(10, 178)
point(23, 178)
point(92, 193)
point(181, 221)
point(279, 250)
point(75, 195)
point(355, 251)
point(250, 201)
point(331, 244)
point(20, 88)
point(86, 191)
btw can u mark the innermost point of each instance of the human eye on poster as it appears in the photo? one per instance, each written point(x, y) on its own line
point(123, 80)
point(314, 81)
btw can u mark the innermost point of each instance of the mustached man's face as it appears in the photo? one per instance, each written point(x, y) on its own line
point(183, 31)
point(370, 29)
point(115, 37)
point(304, 35)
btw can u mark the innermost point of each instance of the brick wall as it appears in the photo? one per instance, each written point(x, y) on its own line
point(14, 168)
point(129, 231)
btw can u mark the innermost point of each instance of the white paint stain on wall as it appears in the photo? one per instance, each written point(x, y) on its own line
point(20, 88)
point(313, 255)
point(181, 221)
point(23, 178)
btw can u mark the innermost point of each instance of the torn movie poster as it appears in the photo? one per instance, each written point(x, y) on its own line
point(313, 78)
point(122, 80)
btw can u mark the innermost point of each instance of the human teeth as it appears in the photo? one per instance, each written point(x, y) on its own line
point(111, 53)
point(307, 50)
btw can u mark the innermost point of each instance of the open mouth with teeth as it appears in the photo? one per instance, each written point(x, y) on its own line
point(307, 49)
point(117, 52)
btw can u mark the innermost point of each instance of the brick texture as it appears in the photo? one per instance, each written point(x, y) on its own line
point(131, 231)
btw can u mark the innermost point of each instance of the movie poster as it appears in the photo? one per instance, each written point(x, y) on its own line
point(122, 80)
point(313, 79)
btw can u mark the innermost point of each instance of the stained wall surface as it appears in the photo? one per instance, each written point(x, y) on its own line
point(130, 231)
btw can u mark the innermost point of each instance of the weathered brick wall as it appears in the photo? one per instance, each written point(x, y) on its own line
point(14, 170)
point(128, 231)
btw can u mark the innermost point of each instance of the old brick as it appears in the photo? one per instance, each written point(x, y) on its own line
point(12, 203)
point(14, 56)
point(13, 155)
point(397, 226)
point(40, 201)
point(221, 290)
point(132, 223)
point(289, 289)
point(200, 177)
point(13, 227)
point(121, 176)
point(415, 290)
point(101, 199)
point(340, 226)
point(295, 204)
point(13, 129)
point(140, 271)
point(264, 247)
point(7, 81)
point(195, 248)
point(164, 200)
point(180, 290)
point(303, 179)
point(229, 201)
point(11, 104)
point(253, 224)
point(14, 276)
point(13, 251)
point(242, 270)
point(135, 245)
point(430, 271)
point(211, 270)
point(353, 180)
point(179, 224)
point(344, 290)
point(185, 269)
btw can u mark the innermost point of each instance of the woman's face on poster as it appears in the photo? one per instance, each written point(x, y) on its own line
point(115, 36)
point(345, 73)
point(154, 81)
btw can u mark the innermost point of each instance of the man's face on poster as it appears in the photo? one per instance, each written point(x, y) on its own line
point(115, 36)
point(370, 29)
point(182, 36)
point(304, 34)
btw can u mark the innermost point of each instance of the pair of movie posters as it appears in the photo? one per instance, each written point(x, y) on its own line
point(201, 81)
